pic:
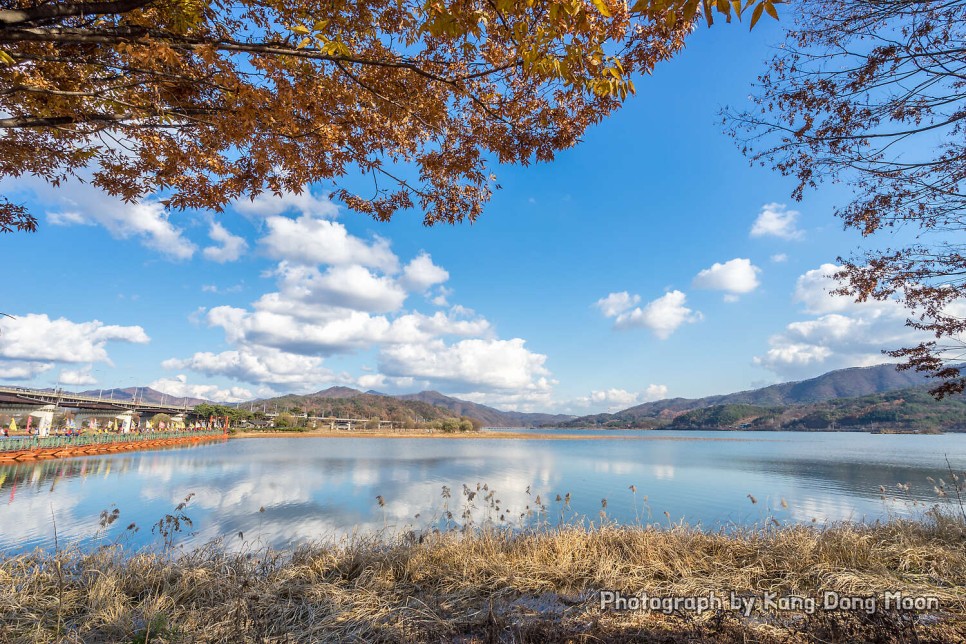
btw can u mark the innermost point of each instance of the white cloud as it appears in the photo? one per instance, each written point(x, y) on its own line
point(736, 276)
point(255, 365)
point(371, 381)
point(616, 303)
point(442, 296)
point(779, 258)
point(421, 273)
point(776, 220)
point(17, 370)
point(267, 205)
point(76, 377)
point(844, 333)
point(489, 364)
point(814, 290)
point(349, 287)
point(231, 246)
point(338, 294)
point(310, 240)
point(619, 399)
point(662, 316)
point(77, 202)
point(37, 337)
point(178, 387)
point(654, 392)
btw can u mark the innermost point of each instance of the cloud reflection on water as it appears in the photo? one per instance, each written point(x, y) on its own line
point(318, 488)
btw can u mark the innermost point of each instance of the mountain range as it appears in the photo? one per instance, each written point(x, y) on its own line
point(489, 416)
point(842, 385)
point(143, 394)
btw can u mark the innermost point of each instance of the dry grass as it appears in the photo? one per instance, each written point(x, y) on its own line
point(494, 586)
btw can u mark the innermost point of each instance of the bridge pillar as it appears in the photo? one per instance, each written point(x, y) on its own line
point(45, 416)
point(125, 419)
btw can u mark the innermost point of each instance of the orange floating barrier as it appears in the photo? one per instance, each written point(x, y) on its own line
point(37, 453)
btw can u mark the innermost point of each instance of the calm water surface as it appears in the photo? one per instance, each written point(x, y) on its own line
point(281, 491)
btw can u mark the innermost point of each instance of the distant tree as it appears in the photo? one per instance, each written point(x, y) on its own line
point(157, 419)
point(208, 101)
point(285, 419)
point(872, 93)
point(448, 425)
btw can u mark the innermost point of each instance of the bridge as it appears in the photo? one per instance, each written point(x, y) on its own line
point(44, 403)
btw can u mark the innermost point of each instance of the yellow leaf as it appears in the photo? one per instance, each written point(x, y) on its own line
point(757, 14)
point(603, 8)
point(690, 8)
point(300, 30)
point(770, 8)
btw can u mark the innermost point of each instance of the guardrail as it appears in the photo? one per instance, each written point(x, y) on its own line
point(14, 444)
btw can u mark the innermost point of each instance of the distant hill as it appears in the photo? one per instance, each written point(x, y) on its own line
point(911, 409)
point(345, 402)
point(488, 415)
point(428, 405)
point(144, 394)
point(843, 383)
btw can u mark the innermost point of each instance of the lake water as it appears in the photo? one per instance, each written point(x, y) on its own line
point(281, 491)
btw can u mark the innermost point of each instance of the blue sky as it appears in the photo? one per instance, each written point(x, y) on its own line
point(649, 261)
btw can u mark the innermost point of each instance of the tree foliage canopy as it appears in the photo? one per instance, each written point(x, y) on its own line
point(873, 93)
point(205, 101)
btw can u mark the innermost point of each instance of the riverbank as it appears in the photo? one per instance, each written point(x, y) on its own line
point(503, 586)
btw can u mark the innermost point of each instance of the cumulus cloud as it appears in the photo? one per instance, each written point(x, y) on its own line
point(421, 273)
point(35, 337)
point(618, 399)
point(371, 381)
point(775, 220)
point(779, 258)
point(350, 287)
point(255, 365)
point(76, 202)
point(492, 364)
point(76, 377)
point(178, 387)
point(339, 294)
point(312, 240)
point(735, 277)
point(442, 296)
point(654, 392)
point(843, 333)
point(17, 370)
point(306, 203)
point(662, 316)
point(230, 247)
point(616, 303)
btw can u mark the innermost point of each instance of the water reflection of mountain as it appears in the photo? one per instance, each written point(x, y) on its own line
point(857, 479)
